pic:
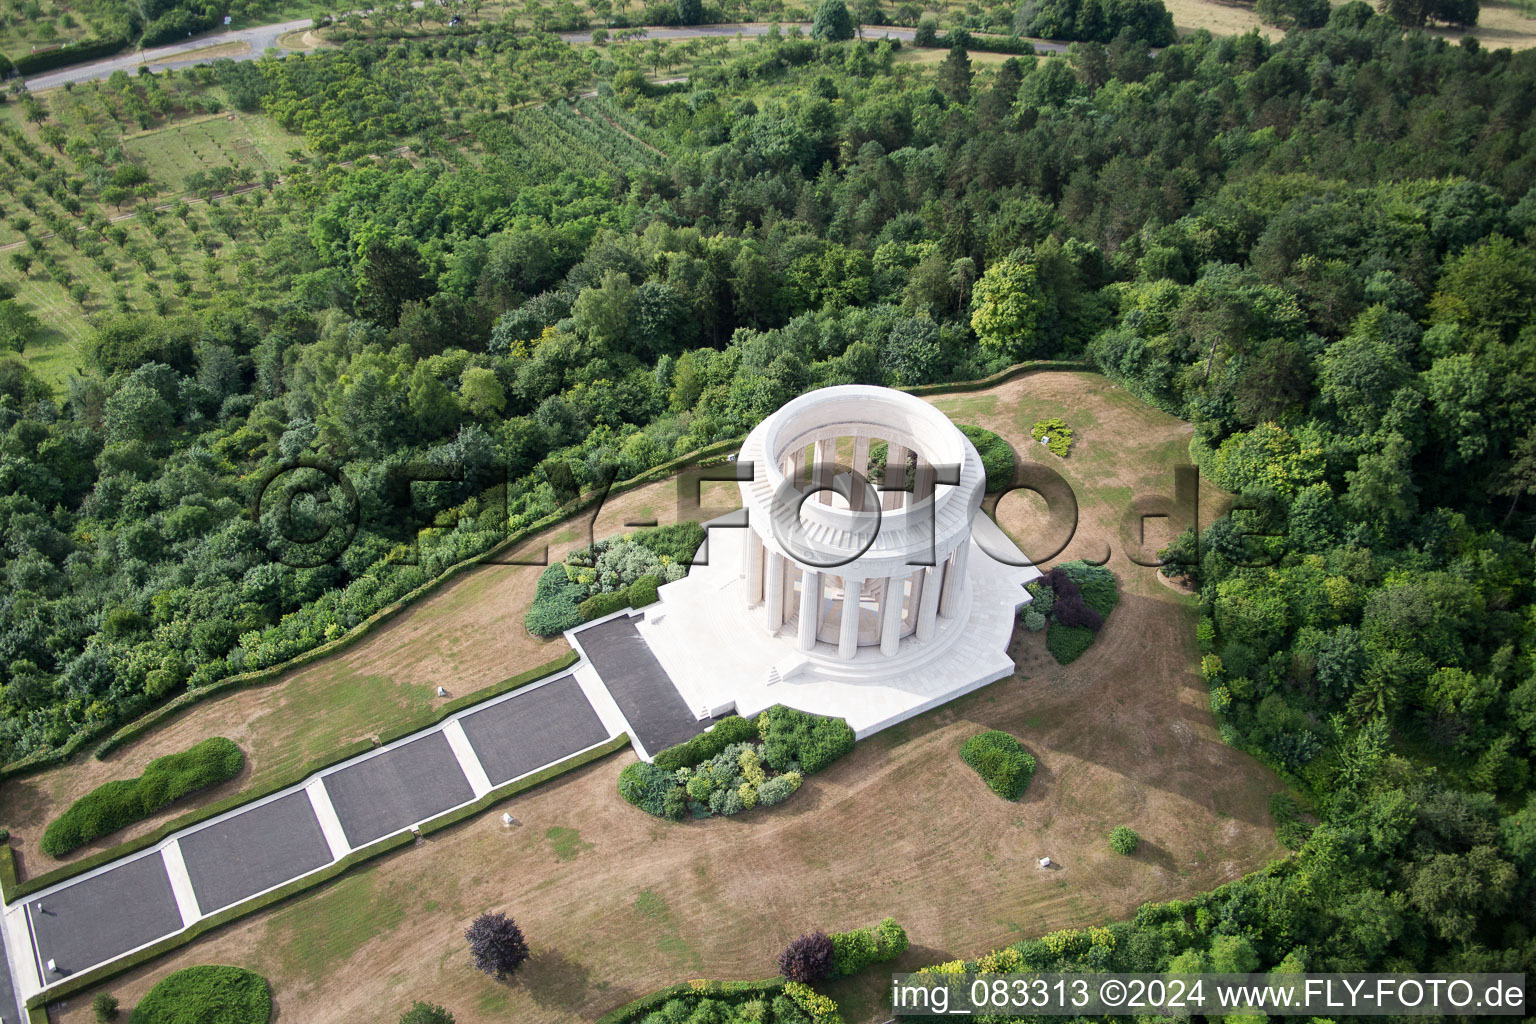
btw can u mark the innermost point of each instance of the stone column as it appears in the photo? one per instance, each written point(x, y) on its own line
point(754, 569)
point(895, 476)
point(860, 467)
point(954, 579)
point(775, 591)
point(890, 614)
point(928, 603)
point(848, 631)
point(797, 467)
point(826, 464)
point(923, 481)
point(810, 607)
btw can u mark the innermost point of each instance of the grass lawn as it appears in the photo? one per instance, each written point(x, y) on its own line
point(172, 152)
point(616, 903)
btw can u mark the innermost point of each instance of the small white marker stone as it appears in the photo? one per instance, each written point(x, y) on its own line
point(1045, 862)
point(506, 819)
point(53, 968)
point(442, 692)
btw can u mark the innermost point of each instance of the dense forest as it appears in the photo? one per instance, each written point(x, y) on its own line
point(1321, 252)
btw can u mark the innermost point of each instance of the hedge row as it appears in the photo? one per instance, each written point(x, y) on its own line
point(855, 950)
point(1002, 376)
point(731, 729)
point(63, 56)
point(121, 802)
point(11, 888)
point(725, 991)
point(89, 979)
point(1001, 760)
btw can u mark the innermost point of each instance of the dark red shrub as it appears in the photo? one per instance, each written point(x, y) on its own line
point(1070, 610)
point(497, 944)
point(808, 959)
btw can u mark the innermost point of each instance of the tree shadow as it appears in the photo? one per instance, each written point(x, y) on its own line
point(554, 980)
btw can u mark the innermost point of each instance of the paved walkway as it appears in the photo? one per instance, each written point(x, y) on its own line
point(124, 906)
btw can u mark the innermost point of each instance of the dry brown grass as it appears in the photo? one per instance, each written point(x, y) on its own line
point(899, 827)
point(1499, 25)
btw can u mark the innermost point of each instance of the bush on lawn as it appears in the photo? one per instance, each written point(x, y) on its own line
point(496, 944)
point(852, 951)
point(122, 802)
point(1124, 840)
point(807, 959)
point(996, 457)
point(799, 741)
point(104, 1006)
point(556, 603)
point(1055, 433)
point(1001, 761)
point(731, 729)
point(207, 995)
point(1067, 643)
point(1044, 597)
point(426, 1013)
point(652, 789)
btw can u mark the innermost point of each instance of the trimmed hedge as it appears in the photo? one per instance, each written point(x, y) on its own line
point(64, 56)
point(799, 741)
point(731, 729)
point(996, 457)
point(121, 802)
point(207, 994)
point(1001, 760)
point(1067, 643)
point(12, 889)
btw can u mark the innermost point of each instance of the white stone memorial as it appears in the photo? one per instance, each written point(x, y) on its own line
point(840, 597)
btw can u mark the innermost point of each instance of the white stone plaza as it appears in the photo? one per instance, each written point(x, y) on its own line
point(839, 597)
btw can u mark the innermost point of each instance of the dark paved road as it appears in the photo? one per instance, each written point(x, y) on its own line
point(254, 851)
point(532, 729)
point(104, 916)
point(657, 713)
point(403, 785)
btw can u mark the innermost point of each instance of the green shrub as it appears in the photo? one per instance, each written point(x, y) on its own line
point(652, 789)
point(852, 951)
point(1059, 434)
point(1044, 596)
point(122, 802)
point(1067, 643)
point(777, 789)
point(678, 542)
point(598, 605)
point(1292, 832)
point(796, 738)
point(1033, 620)
point(890, 939)
point(729, 730)
point(1097, 584)
point(206, 995)
point(1001, 761)
point(1124, 840)
point(104, 1006)
point(556, 603)
point(426, 1013)
point(996, 457)
point(643, 591)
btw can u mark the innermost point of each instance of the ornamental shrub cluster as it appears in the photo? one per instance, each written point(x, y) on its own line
point(1124, 840)
point(996, 456)
point(1001, 760)
point(800, 741)
point(602, 578)
point(726, 771)
point(1056, 435)
point(730, 1002)
point(1073, 600)
point(121, 802)
point(206, 994)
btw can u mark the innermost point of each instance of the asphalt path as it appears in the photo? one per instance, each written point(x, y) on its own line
point(264, 37)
